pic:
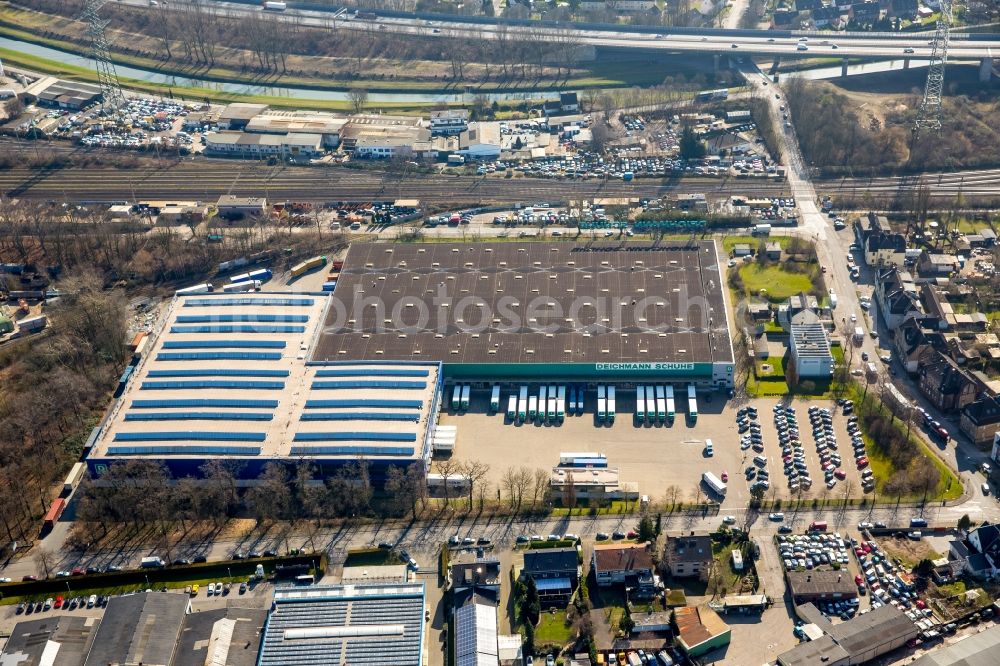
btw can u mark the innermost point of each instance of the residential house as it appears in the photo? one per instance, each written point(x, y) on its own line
point(807, 5)
point(689, 556)
point(810, 347)
point(569, 102)
point(896, 296)
point(556, 572)
point(917, 344)
point(933, 265)
point(885, 248)
point(801, 302)
point(979, 551)
point(866, 12)
point(784, 18)
point(826, 16)
point(981, 420)
point(628, 564)
point(947, 386)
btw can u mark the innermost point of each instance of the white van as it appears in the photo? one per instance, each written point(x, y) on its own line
point(709, 448)
point(986, 489)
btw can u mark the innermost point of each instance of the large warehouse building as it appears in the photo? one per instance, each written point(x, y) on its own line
point(536, 311)
point(332, 379)
point(228, 377)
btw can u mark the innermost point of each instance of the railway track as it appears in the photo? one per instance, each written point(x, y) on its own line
point(207, 179)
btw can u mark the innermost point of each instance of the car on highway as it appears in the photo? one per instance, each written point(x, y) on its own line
point(736, 46)
point(908, 50)
point(802, 47)
point(834, 46)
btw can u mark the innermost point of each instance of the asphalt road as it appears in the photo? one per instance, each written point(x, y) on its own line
point(708, 41)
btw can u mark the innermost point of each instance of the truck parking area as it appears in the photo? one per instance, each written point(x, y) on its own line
point(652, 453)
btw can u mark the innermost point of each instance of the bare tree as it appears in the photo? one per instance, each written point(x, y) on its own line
point(474, 471)
point(358, 98)
point(671, 495)
point(46, 561)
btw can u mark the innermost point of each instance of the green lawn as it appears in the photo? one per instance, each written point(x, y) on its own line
point(766, 388)
point(779, 283)
point(777, 368)
point(553, 629)
point(729, 242)
point(370, 557)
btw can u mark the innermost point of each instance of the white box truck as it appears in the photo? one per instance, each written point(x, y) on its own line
point(714, 483)
point(522, 403)
point(561, 403)
point(640, 403)
point(551, 411)
point(611, 404)
point(661, 403)
point(512, 407)
point(671, 408)
point(859, 335)
point(495, 399)
point(532, 407)
point(542, 402)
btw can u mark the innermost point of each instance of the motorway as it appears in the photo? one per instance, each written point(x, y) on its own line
point(764, 43)
point(207, 179)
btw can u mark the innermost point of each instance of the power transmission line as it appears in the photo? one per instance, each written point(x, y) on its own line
point(111, 88)
point(929, 114)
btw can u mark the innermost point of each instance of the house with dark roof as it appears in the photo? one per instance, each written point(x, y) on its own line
point(824, 16)
point(947, 386)
point(896, 296)
point(784, 18)
point(981, 420)
point(689, 556)
point(628, 564)
point(807, 5)
point(479, 574)
point(866, 12)
point(885, 248)
point(906, 9)
point(815, 585)
point(979, 551)
point(555, 571)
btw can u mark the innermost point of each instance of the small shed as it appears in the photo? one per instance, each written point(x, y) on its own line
point(773, 250)
point(742, 250)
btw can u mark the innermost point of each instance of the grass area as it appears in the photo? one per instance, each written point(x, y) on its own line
point(370, 557)
point(909, 552)
point(776, 371)
point(724, 558)
point(616, 507)
point(766, 388)
point(949, 486)
point(779, 283)
point(553, 628)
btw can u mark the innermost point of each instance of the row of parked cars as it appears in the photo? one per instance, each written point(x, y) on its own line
point(793, 455)
point(889, 583)
point(821, 420)
point(60, 603)
point(860, 455)
point(750, 437)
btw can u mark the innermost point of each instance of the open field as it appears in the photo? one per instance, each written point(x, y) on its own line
point(779, 283)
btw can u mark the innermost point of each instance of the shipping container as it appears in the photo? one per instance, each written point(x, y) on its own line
point(262, 274)
point(307, 265)
point(242, 277)
point(74, 477)
point(495, 399)
point(32, 324)
point(140, 349)
point(204, 288)
point(55, 510)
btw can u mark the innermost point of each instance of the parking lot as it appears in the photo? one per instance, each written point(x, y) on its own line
point(657, 456)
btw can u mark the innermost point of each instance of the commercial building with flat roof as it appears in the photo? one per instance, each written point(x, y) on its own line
point(542, 310)
point(856, 641)
point(227, 377)
point(346, 624)
point(221, 637)
point(976, 650)
point(810, 349)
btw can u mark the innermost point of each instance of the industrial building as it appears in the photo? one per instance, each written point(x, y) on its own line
point(856, 641)
point(247, 145)
point(810, 347)
point(72, 95)
point(544, 311)
point(346, 624)
point(976, 650)
point(143, 627)
point(274, 121)
point(809, 586)
point(227, 377)
point(56, 639)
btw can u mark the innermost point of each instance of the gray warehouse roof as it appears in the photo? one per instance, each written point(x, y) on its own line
point(881, 625)
point(346, 624)
point(821, 651)
point(530, 302)
point(57, 639)
point(142, 627)
point(976, 650)
point(221, 637)
point(812, 583)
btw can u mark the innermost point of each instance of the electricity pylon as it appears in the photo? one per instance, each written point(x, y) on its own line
point(929, 114)
point(111, 88)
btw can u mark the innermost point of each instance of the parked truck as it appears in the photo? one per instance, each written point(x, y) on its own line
point(307, 265)
point(204, 288)
point(859, 335)
point(73, 479)
point(833, 299)
point(495, 399)
point(271, 6)
point(714, 483)
point(612, 408)
point(761, 230)
point(237, 287)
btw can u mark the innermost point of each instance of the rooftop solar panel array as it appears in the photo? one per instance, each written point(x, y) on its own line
point(360, 416)
point(224, 344)
point(373, 402)
point(372, 372)
point(230, 318)
point(373, 383)
point(204, 402)
point(184, 450)
point(191, 435)
point(355, 436)
point(356, 451)
point(220, 372)
point(393, 607)
point(240, 328)
point(199, 416)
point(245, 302)
point(219, 356)
point(211, 384)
